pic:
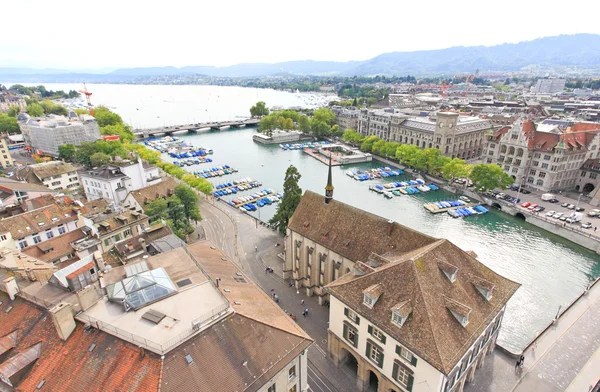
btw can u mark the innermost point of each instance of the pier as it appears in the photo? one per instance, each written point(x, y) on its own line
point(149, 132)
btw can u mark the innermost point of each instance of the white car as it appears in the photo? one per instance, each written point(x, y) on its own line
point(558, 215)
point(571, 206)
point(586, 225)
point(549, 214)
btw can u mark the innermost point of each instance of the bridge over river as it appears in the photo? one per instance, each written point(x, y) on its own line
point(150, 132)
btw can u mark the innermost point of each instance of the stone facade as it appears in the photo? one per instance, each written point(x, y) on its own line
point(346, 117)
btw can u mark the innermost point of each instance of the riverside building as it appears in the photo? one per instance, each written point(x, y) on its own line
point(408, 312)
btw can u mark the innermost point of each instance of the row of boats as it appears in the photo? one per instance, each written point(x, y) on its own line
point(163, 144)
point(468, 211)
point(192, 161)
point(216, 171)
point(177, 148)
point(302, 146)
point(260, 199)
point(229, 188)
point(380, 172)
point(389, 191)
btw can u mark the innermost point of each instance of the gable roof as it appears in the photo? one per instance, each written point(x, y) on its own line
point(349, 231)
point(47, 169)
point(11, 186)
point(55, 248)
point(431, 331)
point(237, 354)
point(70, 365)
point(152, 192)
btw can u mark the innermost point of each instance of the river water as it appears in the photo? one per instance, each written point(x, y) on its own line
point(552, 271)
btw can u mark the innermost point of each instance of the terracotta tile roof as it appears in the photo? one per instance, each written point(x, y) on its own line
point(69, 366)
point(39, 220)
point(13, 186)
point(353, 233)
point(114, 221)
point(152, 192)
point(577, 136)
point(498, 133)
point(237, 354)
point(431, 331)
point(80, 270)
point(8, 342)
point(60, 246)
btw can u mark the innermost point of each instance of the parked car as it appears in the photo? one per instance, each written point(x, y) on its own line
point(539, 209)
point(525, 191)
point(571, 206)
point(500, 195)
point(553, 201)
point(532, 207)
point(563, 218)
point(579, 209)
point(586, 225)
point(558, 215)
point(594, 212)
point(549, 214)
point(526, 204)
point(564, 205)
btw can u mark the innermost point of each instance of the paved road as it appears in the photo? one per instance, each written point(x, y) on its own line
point(242, 238)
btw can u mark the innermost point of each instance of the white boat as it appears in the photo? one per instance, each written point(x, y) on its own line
point(423, 188)
point(387, 194)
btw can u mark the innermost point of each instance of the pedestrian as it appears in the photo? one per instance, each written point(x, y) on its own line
point(306, 311)
point(291, 284)
point(256, 248)
point(276, 299)
point(595, 228)
point(266, 269)
point(522, 359)
point(518, 364)
point(302, 302)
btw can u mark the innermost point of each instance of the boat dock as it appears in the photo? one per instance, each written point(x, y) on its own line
point(215, 172)
point(406, 188)
point(233, 188)
point(446, 205)
point(192, 161)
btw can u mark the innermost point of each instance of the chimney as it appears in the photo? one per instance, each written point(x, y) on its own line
point(11, 287)
point(87, 297)
point(28, 205)
point(390, 225)
point(99, 260)
point(62, 318)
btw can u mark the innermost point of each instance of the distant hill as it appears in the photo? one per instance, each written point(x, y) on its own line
point(579, 50)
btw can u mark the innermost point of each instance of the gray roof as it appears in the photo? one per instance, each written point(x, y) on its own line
point(106, 172)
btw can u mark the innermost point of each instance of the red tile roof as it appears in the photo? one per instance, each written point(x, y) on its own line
point(113, 365)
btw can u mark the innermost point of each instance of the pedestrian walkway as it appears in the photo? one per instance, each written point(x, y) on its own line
point(564, 350)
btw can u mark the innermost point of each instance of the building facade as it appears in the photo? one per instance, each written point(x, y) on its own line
point(112, 228)
point(452, 134)
point(549, 86)
point(543, 156)
point(113, 182)
point(5, 158)
point(45, 134)
point(346, 117)
point(56, 175)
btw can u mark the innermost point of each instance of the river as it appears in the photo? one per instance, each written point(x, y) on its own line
point(552, 271)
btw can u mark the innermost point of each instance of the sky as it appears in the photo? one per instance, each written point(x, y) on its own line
point(110, 34)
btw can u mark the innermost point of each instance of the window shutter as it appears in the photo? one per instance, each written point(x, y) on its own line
point(398, 349)
point(355, 340)
point(411, 379)
point(345, 331)
point(380, 362)
point(395, 372)
point(383, 339)
point(370, 330)
point(346, 312)
point(413, 361)
point(357, 320)
point(368, 353)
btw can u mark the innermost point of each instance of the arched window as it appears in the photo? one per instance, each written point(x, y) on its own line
point(503, 149)
point(530, 180)
point(447, 149)
point(520, 152)
point(412, 141)
point(423, 144)
point(430, 145)
point(511, 151)
point(540, 182)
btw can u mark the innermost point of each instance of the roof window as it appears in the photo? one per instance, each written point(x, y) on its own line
point(371, 295)
point(400, 312)
point(460, 311)
point(449, 270)
point(485, 288)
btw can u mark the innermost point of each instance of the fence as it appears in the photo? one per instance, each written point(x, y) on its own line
point(39, 301)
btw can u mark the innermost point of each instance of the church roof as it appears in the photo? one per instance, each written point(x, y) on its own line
point(352, 232)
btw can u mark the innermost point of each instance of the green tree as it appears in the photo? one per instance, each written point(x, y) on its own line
point(189, 199)
point(105, 117)
point(371, 101)
point(455, 168)
point(123, 131)
point(157, 209)
point(336, 131)
point(8, 124)
point(389, 150)
point(35, 110)
point(324, 115)
point(99, 159)
point(319, 129)
point(267, 125)
point(304, 123)
point(290, 200)
point(67, 152)
point(259, 110)
point(490, 176)
point(14, 111)
point(368, 142)
point(408, 153)
point(377, 146)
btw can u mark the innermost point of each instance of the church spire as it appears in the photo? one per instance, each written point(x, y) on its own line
point(329, 187)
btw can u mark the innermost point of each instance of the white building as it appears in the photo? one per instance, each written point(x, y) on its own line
point(56, 175)
point(45, 134)
point(113, 182)
point(549, 86)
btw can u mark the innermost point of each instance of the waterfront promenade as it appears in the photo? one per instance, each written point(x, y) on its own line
point(564, 357)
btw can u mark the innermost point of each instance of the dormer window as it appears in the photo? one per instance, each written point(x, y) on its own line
point(460, 311)
point(484, 287)
point(371, 295)
point(400, 312)
point(449, 270)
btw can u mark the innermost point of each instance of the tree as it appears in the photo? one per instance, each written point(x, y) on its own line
point(190, 202)
point(8, 124)
point(99, 159)
point(267, 125)
point(336, 131)
point(371, 101)
point(324, 115)
point(455, 168)
point(290, 200)
point(259, 110)
point(14, 111)
point(389, 149)
point(67, 152)
point(123, 131)
point(105, 117)
point(304, 123)
point(156, 209)
point(377, 146)
point(367, 144)
point(319, 129)
point(490, 176)
point(35, 110)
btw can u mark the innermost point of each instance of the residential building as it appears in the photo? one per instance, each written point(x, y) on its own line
point(168, 326)
point(56, 175)
point(111, 227)
point(346, 117)
point(37, 226)
point(546, 156)
point(17, 192)
point(453, 134)
point(7, 99)
point(549, 86)
point(114, 181)
point(5, 158)
point(137, 200)
point(45, 134)
point(393, 294)
point(57, 250)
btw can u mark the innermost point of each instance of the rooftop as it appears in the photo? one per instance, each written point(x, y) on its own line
point(56, 121)
point(50, 169)
point(55, 248)
point(11, 186)
point(163, 189)
point(105, 172)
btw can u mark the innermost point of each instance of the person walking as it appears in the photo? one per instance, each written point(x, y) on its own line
point(276, 299)
point(306, 311)
point(522, 359)
point(256, 248)
point(302, 302)
point(595, 228)
point(518, 364)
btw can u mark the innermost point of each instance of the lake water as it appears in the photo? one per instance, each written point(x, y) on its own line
point(552, 271)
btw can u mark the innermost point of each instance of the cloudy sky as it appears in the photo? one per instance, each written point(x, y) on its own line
point(130, 33)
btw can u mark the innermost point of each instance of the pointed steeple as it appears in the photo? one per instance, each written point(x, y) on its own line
point(329, 187)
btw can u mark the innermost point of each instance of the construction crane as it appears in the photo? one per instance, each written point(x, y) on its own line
point(87, 98)
point(468, 77)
